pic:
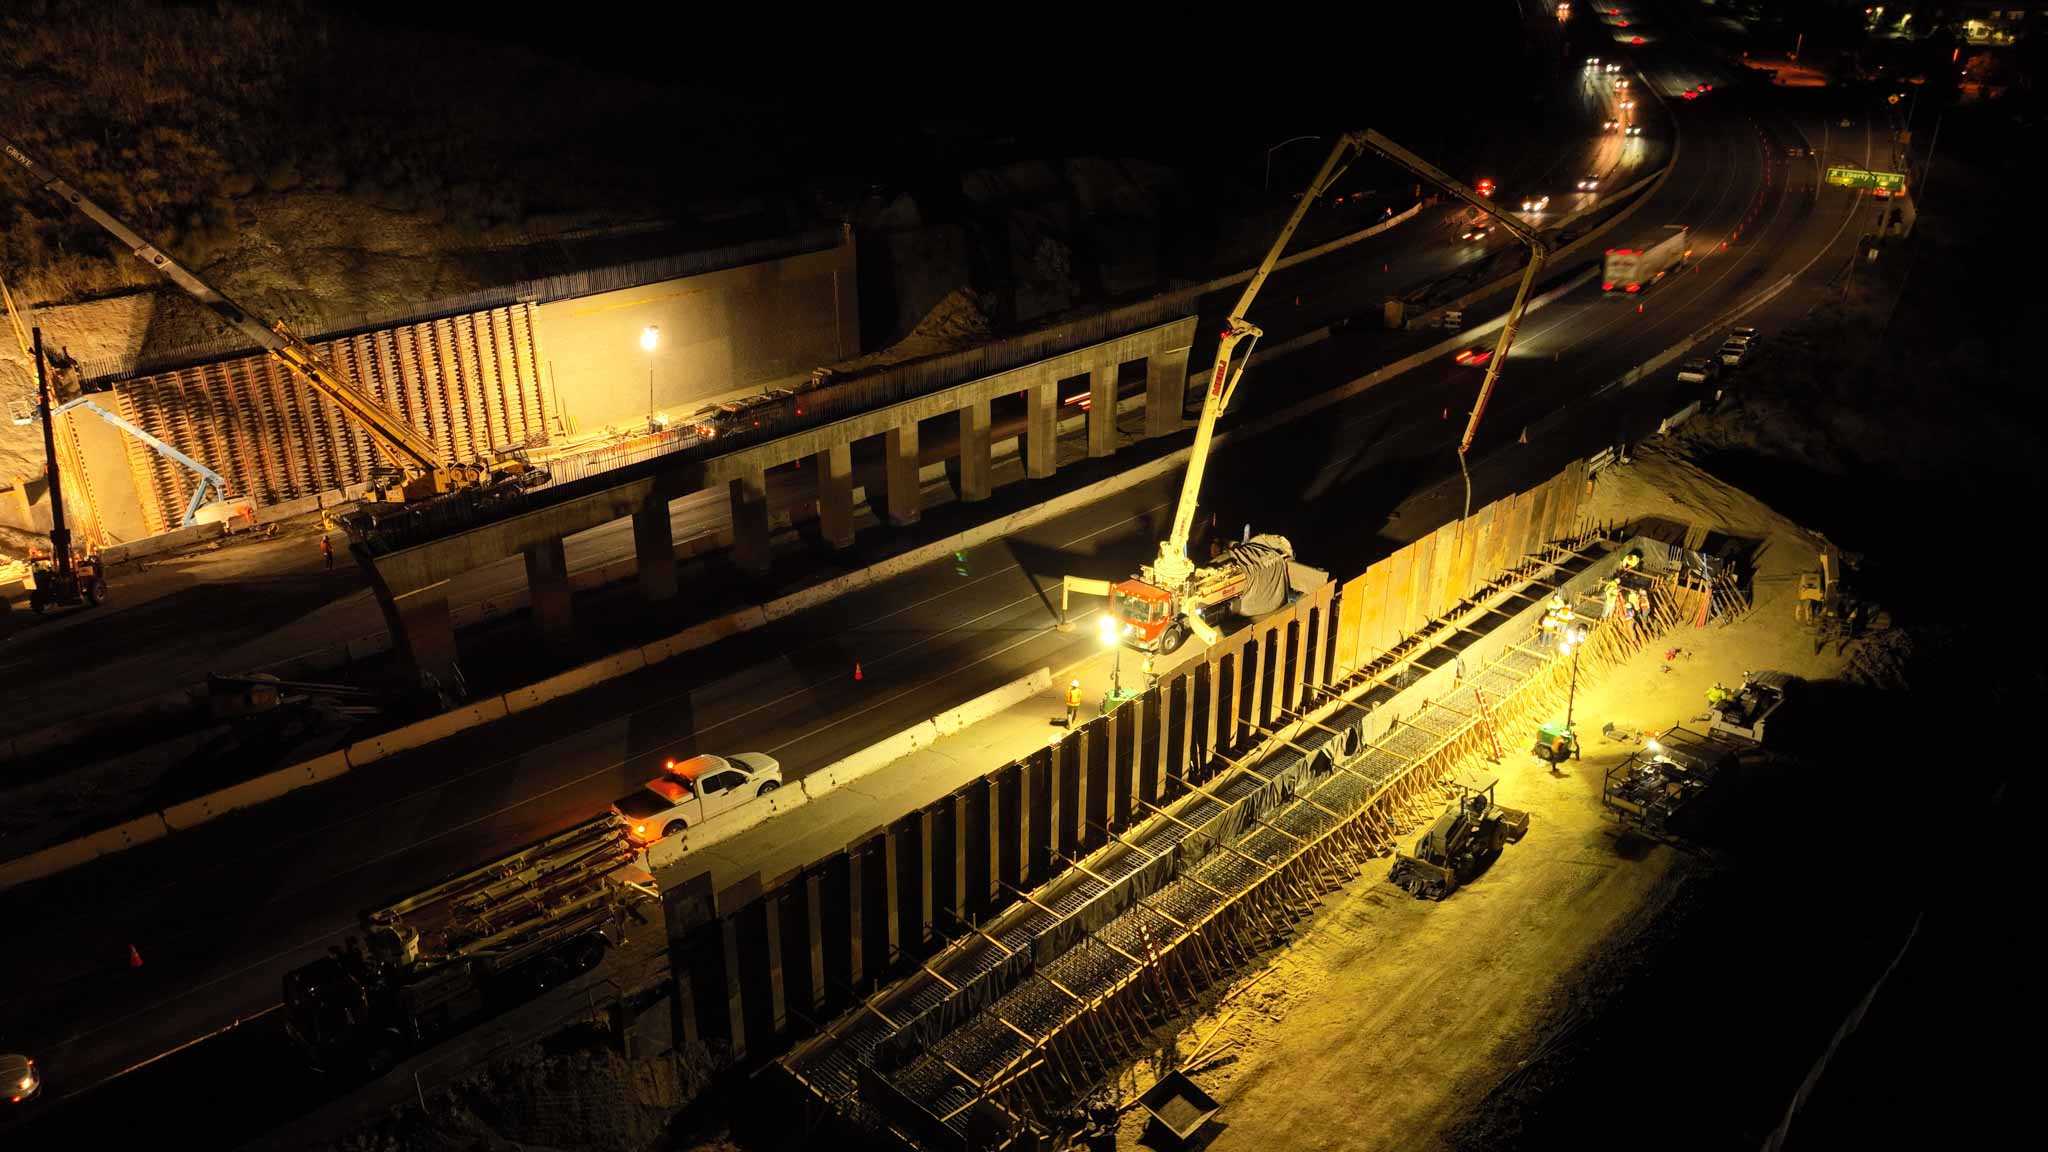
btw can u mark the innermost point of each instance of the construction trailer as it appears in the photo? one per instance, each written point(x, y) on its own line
point(1464, 840)
point(482, 939)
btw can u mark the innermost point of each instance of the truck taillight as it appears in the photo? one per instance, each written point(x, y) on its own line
point(1633, 288)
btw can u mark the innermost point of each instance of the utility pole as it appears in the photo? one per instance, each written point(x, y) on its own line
point(60, 536)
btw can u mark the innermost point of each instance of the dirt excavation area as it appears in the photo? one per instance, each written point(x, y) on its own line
point(1388, 1019)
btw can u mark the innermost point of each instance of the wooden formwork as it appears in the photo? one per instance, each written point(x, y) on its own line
point(471, 383)
point(1114, 1026)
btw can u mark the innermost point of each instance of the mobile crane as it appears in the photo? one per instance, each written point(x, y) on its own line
point(1169, 598)
point(485, 937)
point(405, 447)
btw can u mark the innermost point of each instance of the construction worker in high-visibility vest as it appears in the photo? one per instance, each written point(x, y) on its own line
point(1555, 616)
point(1073, 702)
point(1610, 597)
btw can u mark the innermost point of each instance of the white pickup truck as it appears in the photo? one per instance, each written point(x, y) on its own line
point(689, 792)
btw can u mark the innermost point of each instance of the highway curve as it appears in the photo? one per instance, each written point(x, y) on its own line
point(221, 912)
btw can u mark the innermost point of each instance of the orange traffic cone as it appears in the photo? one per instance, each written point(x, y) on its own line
point(856, 670)
point(1639, 308)
point(134, 957)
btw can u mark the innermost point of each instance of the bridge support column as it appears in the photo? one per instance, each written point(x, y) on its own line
point(1166, 392)
point(834, 468)
point(547, 592)
point(654, 547)
point(899, 474)
point(976, 481)
point(425, 632)
point(1041, 446)
point(1102, 411)
point(750, 521)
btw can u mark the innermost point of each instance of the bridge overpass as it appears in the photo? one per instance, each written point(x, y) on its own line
point(411, 568)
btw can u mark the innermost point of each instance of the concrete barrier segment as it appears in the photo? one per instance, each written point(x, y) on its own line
point(261, 790)
point(574, 680)
point(47, 862)
point(364, 752)
point(122, 837)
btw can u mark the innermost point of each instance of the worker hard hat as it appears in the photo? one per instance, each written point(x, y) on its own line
point(1075, 684)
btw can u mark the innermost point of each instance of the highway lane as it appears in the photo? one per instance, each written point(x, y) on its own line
point(222, 911)
point(168, 627)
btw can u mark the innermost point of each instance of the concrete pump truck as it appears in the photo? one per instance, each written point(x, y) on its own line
point(1173, 597)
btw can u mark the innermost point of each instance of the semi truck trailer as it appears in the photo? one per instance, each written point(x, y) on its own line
point(1643, 262)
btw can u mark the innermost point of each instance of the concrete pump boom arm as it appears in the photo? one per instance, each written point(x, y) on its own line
point(404, 445)
point(1173, 563)
point(1539, 251)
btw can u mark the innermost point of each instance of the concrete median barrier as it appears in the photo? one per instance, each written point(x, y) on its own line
point(48, 862)
point(425, 731)
point(842, 772)
point(574, 680)
point(249, 793)
point(122, 837)
point(702, 635)
point(177, 818)
point(759, 810)
point(988, 704)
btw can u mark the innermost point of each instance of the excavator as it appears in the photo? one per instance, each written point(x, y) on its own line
point(422, 475)
point(1173, 597)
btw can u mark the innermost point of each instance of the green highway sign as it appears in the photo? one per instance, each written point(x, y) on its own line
point(1858, 178)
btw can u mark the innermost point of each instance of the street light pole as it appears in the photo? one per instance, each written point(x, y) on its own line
point(1113, 638)
point(1276, 148)
point(649, 337)
point(1572, 695)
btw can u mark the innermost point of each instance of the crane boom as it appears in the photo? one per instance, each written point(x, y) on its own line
point(401, 443)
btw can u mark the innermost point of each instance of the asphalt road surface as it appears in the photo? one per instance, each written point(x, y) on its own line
point(220, 913)
point(256, 603)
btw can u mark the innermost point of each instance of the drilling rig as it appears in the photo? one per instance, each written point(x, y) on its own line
point(1173, 596)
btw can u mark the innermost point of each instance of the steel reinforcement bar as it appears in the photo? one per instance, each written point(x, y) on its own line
point(907, 1030)
point(1035, 1051)
point(983, 961)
